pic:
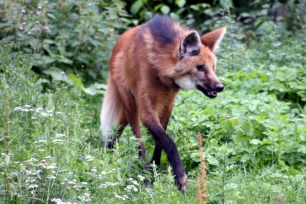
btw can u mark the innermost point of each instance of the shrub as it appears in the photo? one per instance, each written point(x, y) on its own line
point(70, 36)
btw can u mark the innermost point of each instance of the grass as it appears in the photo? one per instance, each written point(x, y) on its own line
point(51, 148)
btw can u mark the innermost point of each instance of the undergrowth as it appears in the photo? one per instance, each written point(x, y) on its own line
point(254, 144)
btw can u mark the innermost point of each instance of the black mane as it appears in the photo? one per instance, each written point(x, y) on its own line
point(162, 30)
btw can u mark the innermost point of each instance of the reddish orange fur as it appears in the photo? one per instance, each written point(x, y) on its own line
point(144, 73)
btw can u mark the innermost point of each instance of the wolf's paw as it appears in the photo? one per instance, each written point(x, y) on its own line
point(181, 181)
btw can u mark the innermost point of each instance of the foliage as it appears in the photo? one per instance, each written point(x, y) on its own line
point(71, 36)
point(260, 118)
point(77, 36)
point(255, 16)
point(253, 132)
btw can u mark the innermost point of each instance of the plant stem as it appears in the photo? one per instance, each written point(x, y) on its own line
point(6, 137)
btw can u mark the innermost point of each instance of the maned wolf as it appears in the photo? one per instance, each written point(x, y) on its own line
point(149, 65)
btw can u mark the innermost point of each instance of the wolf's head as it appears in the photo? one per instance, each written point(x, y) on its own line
point(197, 65)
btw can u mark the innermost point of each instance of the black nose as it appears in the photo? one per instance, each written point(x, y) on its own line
point(219, 87)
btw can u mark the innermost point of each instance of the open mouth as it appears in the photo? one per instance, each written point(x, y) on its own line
point(208, 93)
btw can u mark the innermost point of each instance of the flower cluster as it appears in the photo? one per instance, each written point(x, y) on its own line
point(132, 187)
point(85, 197)
point(108, 184)
point(32, 23)
point(123, 197)
point(60, 201)
point(38, 112)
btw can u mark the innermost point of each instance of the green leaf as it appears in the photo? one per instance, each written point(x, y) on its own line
point(3, 25)
point(57, 74)
point(255, 141)
point(48, 60)
point(100, 86)
point(157, 7)
point(194, 7)
point(226, 3)
point(245, 157)
point(136, 6)
point(51, 16)
point(90, 90)
point(302, 149)
point(165, 9)
point(233, 121)
point(180, 3)
point(77, 82)
point(48, 41)
point(65, 60)
point(211, 160)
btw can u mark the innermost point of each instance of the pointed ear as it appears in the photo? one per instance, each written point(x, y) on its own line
point(212, 39)
point(190, 45)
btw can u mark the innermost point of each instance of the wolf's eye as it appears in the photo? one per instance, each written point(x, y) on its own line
point(200, 67)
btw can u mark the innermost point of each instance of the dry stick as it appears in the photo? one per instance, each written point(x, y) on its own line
point(201, 179)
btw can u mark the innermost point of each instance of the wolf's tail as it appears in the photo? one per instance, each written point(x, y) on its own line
point(110, 112)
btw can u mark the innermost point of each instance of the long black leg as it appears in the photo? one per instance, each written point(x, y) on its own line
point(157, 154)
point(167, 144)
point(164, 119)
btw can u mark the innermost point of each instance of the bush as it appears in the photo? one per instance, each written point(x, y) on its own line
point(254, 131)
point(254, 16)
point(70, 36)
point(259, 119)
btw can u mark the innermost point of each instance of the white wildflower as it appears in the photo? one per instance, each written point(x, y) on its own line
point(130, 188)
point(85, 197)
point(33, 186)
point(72, 182)
point(59, 135)
point(45, 114)
point(31, 160)
point(107, 184)
point(49, 111)
point(123, 197)
point(89, 157)
point(25, 108)
point(133, 181)
point(58, 141)
point(51, 166)
point(141, 177)
point(51, 177)
point(39, 109)
point(14, 174)
point(60, 201)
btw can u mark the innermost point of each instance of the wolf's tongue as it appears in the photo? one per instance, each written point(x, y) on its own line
point(213, 93)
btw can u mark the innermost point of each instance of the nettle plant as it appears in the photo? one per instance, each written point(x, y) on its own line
point(71, 36)
point(30, 29)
